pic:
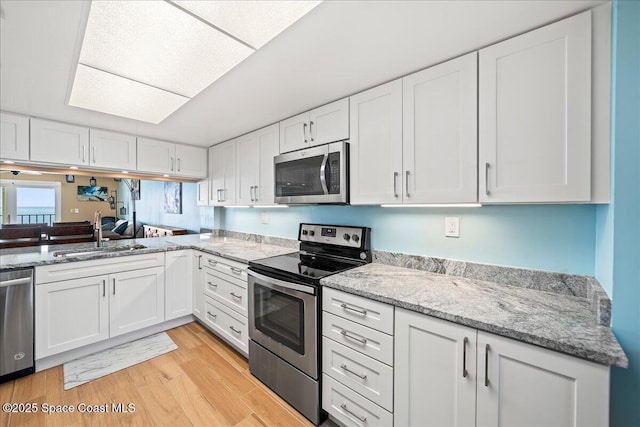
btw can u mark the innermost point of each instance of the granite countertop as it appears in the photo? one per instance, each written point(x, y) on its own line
point(237, 250)
point(558, 322)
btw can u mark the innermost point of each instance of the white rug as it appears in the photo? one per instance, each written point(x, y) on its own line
point(94, 366)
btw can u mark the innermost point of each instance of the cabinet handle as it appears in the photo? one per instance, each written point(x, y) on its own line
point(236, 296)
point(235, 330)
point(464, 357)
point(348, 335)
point(171, 164)
point(251, 193)
point(104, 288)
point(486, 178)
point(218, 195)
point(486, 365)
point(223, 193)
point(94, 154)
point(406, 184)
point(236, 270)
point(84, 148)
point(211, 314)
point(212, 262)
point(362, 376)
point(215, 285)
point(311, 130)
point(114, 286)
point(360, 417)
point(178, 164)
point(395, 184)
point(359, 311)
point(199, 262)
point(304, 132)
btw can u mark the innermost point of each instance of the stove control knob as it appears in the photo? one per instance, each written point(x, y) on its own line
point(305, 232)
point(355, 238)
point(311, 232)
point(346, 237)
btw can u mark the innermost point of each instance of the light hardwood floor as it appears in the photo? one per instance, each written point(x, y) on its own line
point(202, 383)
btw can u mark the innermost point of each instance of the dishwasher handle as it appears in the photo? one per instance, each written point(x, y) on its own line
point(15, 282)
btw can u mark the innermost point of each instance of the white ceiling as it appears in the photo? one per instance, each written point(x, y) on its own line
point(339, 48)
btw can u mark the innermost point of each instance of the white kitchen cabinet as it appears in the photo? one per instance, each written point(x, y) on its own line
point(535, 115)
point(178, 284)
point(222, 172)
point(171, 159)
point(376, 145)
point(321, 125)
point(350, 408)
point(55, 142)
point(254, 168)
point(202, 192)
point(137, 300)
point(70, 314)
point(439, 133)
point(435, 372)
point(14, 137)
point(524, 385)
point(227, 324)
point(198, 285)
point(112, 150)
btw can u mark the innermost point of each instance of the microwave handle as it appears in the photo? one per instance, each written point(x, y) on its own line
point(323, 174)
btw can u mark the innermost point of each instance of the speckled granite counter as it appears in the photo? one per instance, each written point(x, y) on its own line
point(234, 249)
point(558, 322)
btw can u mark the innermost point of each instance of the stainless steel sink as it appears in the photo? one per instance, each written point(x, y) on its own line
point(93, 251)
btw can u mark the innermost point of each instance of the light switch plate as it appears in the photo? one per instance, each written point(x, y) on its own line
point(452, 226)
point(265, 217)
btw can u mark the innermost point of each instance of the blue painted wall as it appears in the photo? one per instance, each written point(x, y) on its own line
point(620, 223)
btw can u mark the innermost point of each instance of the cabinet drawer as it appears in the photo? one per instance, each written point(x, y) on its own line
point(370, 378)
point(226, 291)
point(350, 408)
point(365, 340)
point(225, 266)
point(230, 325)
point(364, 311)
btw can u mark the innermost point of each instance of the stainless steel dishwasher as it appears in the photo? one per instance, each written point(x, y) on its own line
point(16, 323)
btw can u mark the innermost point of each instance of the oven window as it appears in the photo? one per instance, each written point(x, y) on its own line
point(299, 177)
point(280, 316)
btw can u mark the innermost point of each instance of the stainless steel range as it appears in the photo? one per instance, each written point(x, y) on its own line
point(285, 303)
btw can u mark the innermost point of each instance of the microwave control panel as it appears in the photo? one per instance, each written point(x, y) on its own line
point(331, 234)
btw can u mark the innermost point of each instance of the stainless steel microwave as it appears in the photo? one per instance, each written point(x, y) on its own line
point(313, 175)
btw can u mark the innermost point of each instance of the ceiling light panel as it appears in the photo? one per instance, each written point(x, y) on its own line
point(100, 91)
point(254, 22)
point(156, 43)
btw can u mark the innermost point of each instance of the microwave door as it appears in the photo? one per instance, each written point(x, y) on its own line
point(323, 174)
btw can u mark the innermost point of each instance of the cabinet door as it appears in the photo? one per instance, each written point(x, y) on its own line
point(198, 285)
point(54, 142)
point(524, 385)
point(191, 161)
point(156, 156)
point(216, 174)
point(269, 148)
point(247, 169)
point(137, 299)
point(329, 123)
point(435, 372)
point(14, 137)
point(535, 115)
point(112, 150)
point(376, 145)
point(202, 192)
point(179, 284)
point(294, 133)
point(440, 144)
point(70, 314)
point(222, 159)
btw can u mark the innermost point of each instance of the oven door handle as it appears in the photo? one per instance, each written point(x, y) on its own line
point(323, 174)
point(281, 283)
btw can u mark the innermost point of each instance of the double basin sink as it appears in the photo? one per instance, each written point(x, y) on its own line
point(95, 251)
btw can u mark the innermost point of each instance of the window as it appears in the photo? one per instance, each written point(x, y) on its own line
point(30, 202)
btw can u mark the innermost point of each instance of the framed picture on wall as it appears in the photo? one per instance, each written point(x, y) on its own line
point(92, 194)
point(173, 197)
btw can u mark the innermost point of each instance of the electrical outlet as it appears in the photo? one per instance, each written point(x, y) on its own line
point(265, 217)
point(452, 226)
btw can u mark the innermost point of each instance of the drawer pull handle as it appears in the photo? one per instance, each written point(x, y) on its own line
point(236, 296)
point(212, 284)
point(212, 262)
point(345, 409)
point(348, 335)
point(359, 311)
point(235, 330)
point(464, 357)
point(236, 270)
point(211, 314)
point(362, 376)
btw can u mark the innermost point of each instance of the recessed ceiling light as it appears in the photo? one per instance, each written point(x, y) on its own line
point(73, 167)
point(145, 59)
point(124, 171)
point(9, 162)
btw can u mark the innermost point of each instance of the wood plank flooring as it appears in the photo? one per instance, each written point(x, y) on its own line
point(202, 383)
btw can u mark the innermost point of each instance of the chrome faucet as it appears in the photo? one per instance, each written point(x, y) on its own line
point(97, 224)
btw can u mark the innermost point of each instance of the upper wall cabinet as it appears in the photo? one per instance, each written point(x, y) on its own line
point(55, 142)
point(322, 125)
point(112, 150)
point(14, 137)
point(172, 159)
point(254, 168)
point(535, 115)
point(222, 173)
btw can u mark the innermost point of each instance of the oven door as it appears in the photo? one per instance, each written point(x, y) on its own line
point(283, 318)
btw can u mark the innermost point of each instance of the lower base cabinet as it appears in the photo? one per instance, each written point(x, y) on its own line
point(227, 323)
point(351, 409)
point(448, 374)
point(198, 286)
